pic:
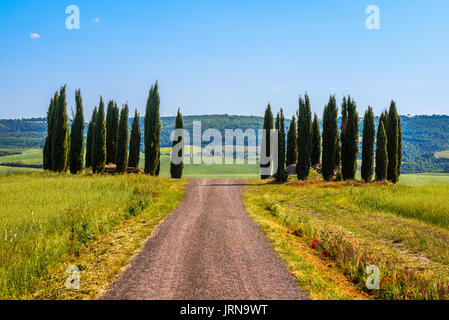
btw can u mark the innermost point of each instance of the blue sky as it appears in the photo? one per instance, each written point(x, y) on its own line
point(225, 56)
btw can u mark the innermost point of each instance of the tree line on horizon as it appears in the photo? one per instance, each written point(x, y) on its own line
point(107, 141)
point(334, 149)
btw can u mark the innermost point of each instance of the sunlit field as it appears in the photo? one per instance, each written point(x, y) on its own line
point(328, 233)
point(47, 218)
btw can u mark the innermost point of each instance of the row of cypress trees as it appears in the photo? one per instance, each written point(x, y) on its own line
point(107, 137)
point(338, 148)
point(64, 150)
point(106, 147)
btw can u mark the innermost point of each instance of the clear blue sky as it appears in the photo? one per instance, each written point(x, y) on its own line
point(225, 56)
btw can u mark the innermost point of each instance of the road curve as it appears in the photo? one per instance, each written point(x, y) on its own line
point(208, 248)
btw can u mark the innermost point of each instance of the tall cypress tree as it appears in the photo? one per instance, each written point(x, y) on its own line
point(60, 139)
point(315, 155)
point(381, 153)
point(393, 143)
point(349, 139)
point(112, 124)
point(89, 139)
point(330, 134)
point(76, 155)
point(265, 146)
point(291, 143)
point(304, 138)
point(175, 168)
point(152, 133)
point(338, 148)
point(48, 141)
point(122, 141)
point(99, 138)
point(341, 138)
point(281, 175)
point(134, 142)
point(369, 135)
point(399, 146)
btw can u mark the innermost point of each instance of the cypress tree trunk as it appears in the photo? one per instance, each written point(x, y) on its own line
point(48, 141)
point(369, 132)
point(281, 175)
point(176, 169)
point(330, 134)
point(90, 139)
point(77, 137)
point(315, 155)
point(291, 143)
point(381, 153)
point(152, 132)
point(349, 139)
point(304, 138)
point(122, 141)
point(393, 144)
point(60, 139)
point(134, 144)
point(265, 145)
point(99, 138)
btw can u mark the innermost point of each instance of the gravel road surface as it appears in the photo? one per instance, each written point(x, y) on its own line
point(208, 248)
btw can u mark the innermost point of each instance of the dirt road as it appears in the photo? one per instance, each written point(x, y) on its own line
point(209, 248)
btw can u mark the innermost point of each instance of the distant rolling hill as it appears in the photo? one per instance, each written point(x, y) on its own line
point(423, 136)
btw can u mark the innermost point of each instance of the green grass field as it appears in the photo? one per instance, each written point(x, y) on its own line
point(8, 170)
point(49, 221)
point(27, 156)
point(329, 232)
point(442, 154)
point(244, 171)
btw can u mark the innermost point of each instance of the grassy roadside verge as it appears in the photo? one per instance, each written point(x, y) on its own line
point(328, 233)
point(97, 223)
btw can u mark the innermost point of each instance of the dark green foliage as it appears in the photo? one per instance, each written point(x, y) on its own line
point(304, 138)
point(393, 143)
point(349, 137)
point(76, 156)
point(152, 133)
point(265, 146)
point(134, 142)
point(89, 140)
point(47, 153)
point(99, 140)
point(176, 169)
point(369, 135)
point(281, 174)
point(60, 135)
point(112, 124)
point(381, 153)
point(399, 146)
point(315, 155)
point(330, 135)
point(338, 150)
point(121, 155)
point(292, 140)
